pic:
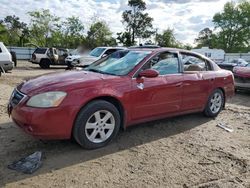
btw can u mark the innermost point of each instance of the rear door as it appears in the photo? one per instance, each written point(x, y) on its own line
point(198, 79)
point(152, 97)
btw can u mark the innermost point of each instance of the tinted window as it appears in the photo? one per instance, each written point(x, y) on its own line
point(110, 51)
point(40, 50)
point(164, 63)
point(194, 63)
point(0, 50)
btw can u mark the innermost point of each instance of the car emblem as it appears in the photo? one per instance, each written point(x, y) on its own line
point(140, 86)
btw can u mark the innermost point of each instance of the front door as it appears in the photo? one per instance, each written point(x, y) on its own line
point(161, 95)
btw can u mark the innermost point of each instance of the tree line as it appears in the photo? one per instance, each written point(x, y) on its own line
point(231, 30)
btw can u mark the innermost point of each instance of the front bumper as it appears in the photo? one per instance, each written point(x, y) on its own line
point(44, 123)
point(7, 66)
point(242, 85)
point(241, 82)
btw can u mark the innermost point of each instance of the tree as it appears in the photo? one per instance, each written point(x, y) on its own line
point(124, 38)
point(137, 23)
point(16, 30)
point(73, 26)
point(99, 34)
point(204, 38)
point(42, 26)
point(3, 34)
point(167, 39)
point(233, 27)
point(73, 32)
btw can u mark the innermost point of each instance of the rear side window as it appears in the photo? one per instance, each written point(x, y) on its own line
point(0, 50)
point(40, 51)
point(194, 63)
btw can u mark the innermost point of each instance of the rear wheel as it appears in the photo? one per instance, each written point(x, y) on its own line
point(44, 64)
point(215, 103)
point(96, 124)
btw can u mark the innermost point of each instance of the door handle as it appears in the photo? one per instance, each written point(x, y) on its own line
point(178, 85)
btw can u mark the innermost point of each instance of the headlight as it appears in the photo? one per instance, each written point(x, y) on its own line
point(46, 100)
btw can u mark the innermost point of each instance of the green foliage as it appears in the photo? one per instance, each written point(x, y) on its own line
point(3, 34)
point(14, 31)
point(167, 39)
point(99, 34)
point(204, 38)
point(233, 25)
point(138, 24)
point(42, 26)
point(124, 38)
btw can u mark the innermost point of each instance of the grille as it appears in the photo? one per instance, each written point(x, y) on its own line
point(16, 97)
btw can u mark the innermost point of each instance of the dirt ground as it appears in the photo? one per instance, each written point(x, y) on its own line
point(186, 151)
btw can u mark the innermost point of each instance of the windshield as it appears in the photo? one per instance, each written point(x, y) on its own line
point(119, 63)
point(97, 52)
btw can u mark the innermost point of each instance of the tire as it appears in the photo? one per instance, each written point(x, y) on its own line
point(44, 64)
point(90, 130)
point(215, 103)
point(13, 56)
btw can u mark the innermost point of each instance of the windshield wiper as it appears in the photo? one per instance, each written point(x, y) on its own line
point(99, 71)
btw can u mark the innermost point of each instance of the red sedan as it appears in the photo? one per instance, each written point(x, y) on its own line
point(242, 77)
point(128, 87)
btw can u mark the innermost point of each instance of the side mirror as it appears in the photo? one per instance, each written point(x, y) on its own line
point(104, 55)
point(149, 73)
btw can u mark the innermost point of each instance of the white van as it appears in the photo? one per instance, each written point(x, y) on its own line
point(6, 63)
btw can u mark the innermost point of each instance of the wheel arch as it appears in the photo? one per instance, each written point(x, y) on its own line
point(47, 59)
point(224, 94)
point(111, 99)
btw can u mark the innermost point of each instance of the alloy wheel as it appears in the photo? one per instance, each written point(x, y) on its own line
point(100, 126)
point(215, 103)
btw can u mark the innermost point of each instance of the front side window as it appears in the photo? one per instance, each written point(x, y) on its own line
point(165, 63)
point(0, 50)
point(118, 63)
point(194, 63)
point(110, 51)
point(97, 52)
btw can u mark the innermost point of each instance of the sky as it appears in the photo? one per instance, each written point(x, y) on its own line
point(186, 17)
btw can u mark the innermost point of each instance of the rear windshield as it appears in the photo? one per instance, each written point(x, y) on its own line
point(40, 50)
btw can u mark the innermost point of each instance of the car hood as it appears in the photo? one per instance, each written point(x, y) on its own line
point(72, 57)
point(58, 81)
point(242, 71)
point(86, 60)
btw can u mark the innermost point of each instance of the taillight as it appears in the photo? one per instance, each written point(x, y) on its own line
point(33, 56)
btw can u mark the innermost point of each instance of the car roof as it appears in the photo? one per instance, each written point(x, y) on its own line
point(112, 47)
point(162, 49)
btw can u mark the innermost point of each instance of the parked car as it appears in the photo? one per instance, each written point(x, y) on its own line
point(129, 87)
point(49, 56)
point(6, 63)
point(242, 77)
point(229, 65)
point(145, 46)
point(86, 59)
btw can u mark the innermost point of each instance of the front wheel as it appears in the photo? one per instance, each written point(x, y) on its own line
point(215, 103)
point(96, 124)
